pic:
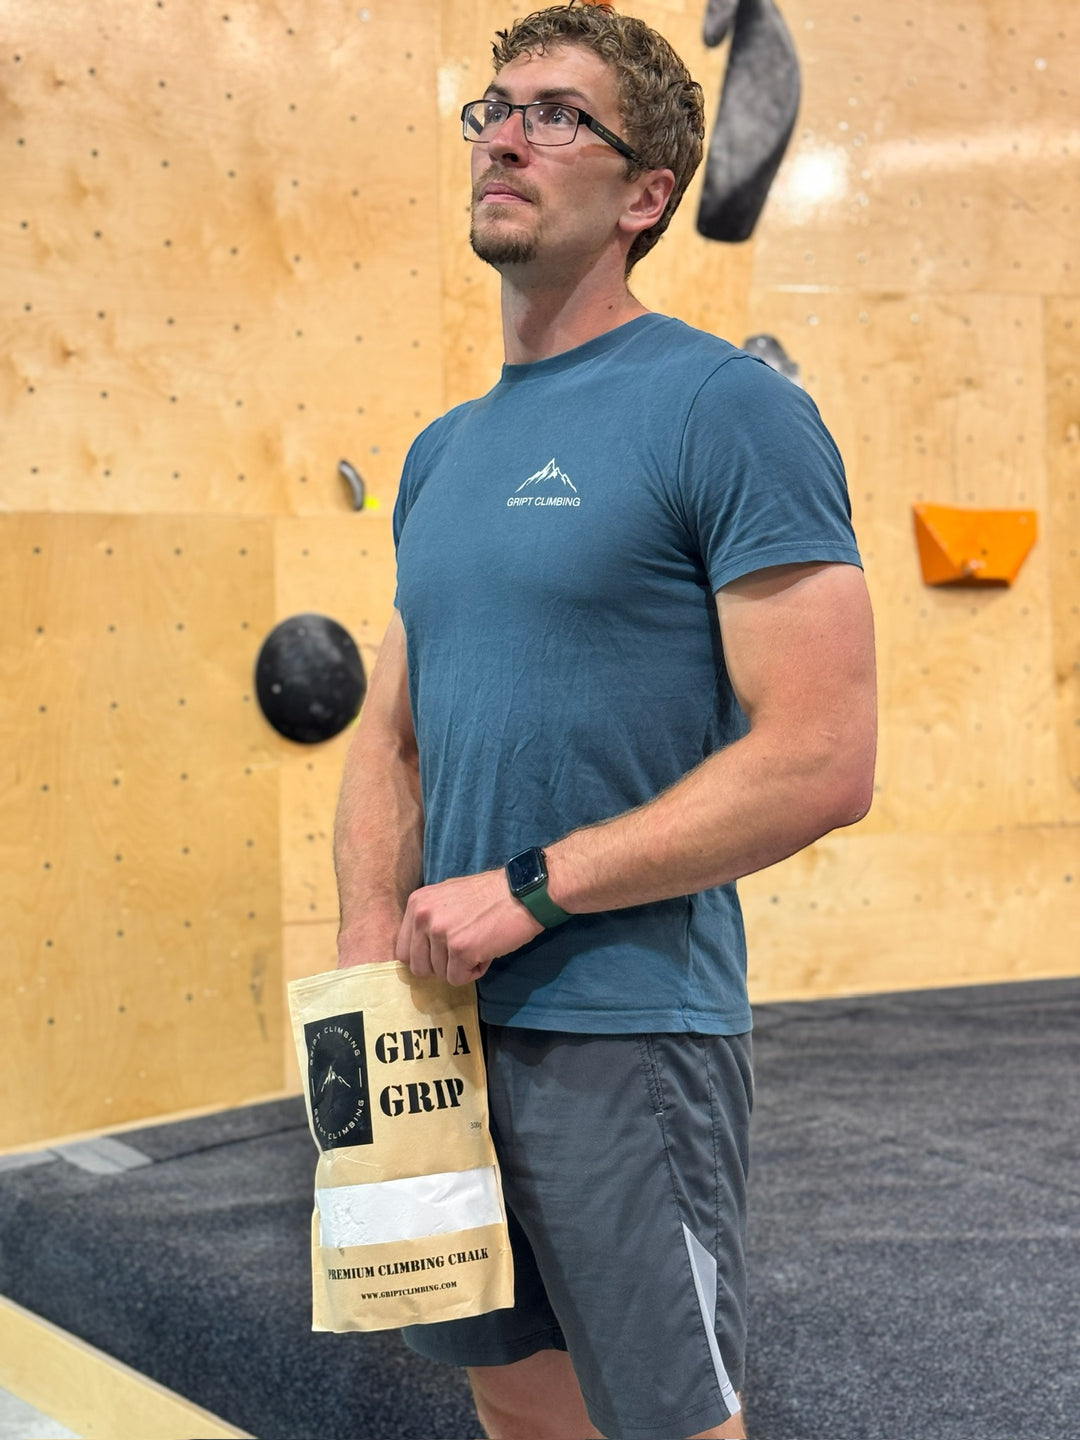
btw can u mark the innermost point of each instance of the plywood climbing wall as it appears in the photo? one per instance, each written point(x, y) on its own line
point(219, 254)
point(139, 872)
point(221, 275)
point(234, 252)
point(919, 257)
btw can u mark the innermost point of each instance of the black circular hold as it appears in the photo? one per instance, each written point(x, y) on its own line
point(310, 678)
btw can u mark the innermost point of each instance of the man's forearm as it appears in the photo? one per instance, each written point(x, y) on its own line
point(799, 648)
point(741, 810)
point(378, 841)
point(379, 829)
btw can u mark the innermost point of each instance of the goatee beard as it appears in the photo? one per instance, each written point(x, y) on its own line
point(502, 249)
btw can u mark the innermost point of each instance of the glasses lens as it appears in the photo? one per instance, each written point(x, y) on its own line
point(482, 118)
point(546, 122)
point(549, 123)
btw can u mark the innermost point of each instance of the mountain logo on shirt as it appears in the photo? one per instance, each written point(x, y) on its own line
point(549, 486)
point(550, 471)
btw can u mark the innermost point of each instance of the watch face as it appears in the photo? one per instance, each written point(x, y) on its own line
point(526, 871)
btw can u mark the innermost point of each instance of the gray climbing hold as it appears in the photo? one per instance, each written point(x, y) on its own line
point(758, 108)
point(718, 18)
point(769, 349)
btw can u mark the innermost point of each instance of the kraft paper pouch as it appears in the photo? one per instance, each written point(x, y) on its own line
point(409, 1224)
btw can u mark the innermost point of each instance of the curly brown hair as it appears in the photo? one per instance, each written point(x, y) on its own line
point(662, 108)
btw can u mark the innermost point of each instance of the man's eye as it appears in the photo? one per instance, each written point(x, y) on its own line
point(557, 115)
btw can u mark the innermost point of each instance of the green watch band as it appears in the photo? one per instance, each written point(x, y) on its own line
point(527, 877)
point(540, 903)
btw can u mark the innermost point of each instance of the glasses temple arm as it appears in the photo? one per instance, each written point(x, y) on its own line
point(610, 136)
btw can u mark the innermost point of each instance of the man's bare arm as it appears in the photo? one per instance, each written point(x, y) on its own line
point(798, 641)
point(378, 832)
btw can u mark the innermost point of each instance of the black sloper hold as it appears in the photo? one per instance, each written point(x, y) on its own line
point(310, 678)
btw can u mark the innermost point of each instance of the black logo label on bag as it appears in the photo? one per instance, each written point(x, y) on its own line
point(338, 1080)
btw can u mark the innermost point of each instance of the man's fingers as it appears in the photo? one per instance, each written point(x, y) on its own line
point(438, 956)
point(421, 945)
point(412, 948)
point(456, 928)
point(403, 944)
point(420, 953)
point(463, 971)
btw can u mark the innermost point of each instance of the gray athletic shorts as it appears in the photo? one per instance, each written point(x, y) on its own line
point(624, 1161)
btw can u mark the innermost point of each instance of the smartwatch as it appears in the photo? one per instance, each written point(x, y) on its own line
point(527, 877)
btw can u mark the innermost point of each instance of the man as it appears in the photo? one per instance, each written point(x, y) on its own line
point(632, 657)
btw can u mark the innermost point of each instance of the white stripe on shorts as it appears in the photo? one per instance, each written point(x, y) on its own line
point(703, 1267)
point(409, 1209)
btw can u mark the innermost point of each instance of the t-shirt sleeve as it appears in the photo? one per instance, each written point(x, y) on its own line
point(406, 488)
point(412, 473)
point(761, 480)
point(422, 454)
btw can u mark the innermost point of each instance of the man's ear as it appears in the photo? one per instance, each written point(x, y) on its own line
point(653, 191)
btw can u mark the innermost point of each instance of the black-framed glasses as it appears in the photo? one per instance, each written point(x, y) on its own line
point(547, 122)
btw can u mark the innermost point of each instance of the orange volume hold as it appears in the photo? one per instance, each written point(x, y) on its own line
point(973, 547)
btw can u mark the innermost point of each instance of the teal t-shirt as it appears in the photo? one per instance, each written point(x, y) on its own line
point(559, 544)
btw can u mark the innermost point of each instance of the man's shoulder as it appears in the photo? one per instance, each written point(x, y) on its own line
point(670, 336)
point(449, 419)
point(435, 435)
point(702, 378)
point(693, 358)
point(676, 332)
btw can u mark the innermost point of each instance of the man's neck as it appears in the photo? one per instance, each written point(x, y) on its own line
point(544, 319)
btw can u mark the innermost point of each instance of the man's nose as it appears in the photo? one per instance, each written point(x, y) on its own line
point(508, 144)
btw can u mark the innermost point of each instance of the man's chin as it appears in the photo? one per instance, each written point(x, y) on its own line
point(500, 250)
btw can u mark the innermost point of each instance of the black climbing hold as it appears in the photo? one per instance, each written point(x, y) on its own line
point(310, 678)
